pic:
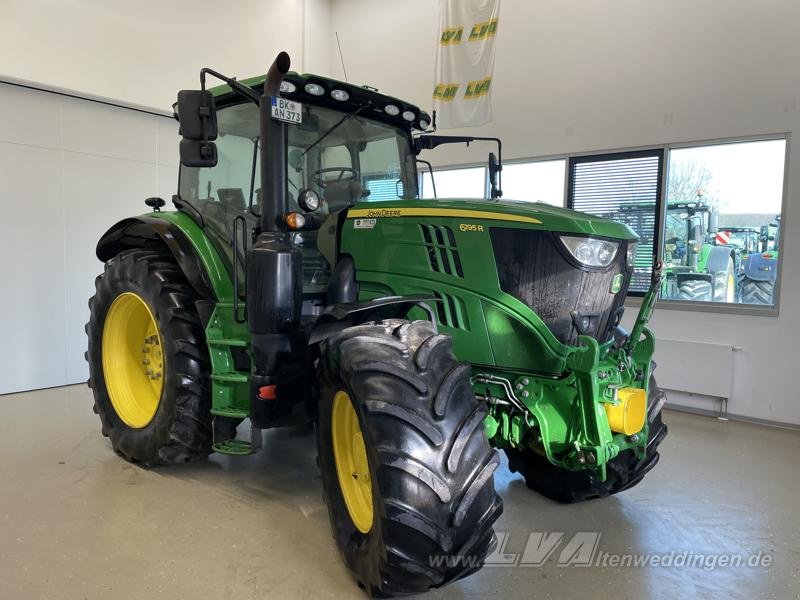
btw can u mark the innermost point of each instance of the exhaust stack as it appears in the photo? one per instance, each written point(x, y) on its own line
point(273, 144)
point(274, 267)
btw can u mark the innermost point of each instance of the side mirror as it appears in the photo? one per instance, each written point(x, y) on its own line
point(197, 116)
point(494, 169)
point(713, 221)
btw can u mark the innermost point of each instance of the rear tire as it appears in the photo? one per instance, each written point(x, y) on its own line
point(623, 471)
point(180, 428)
point(696, 290)
point(757, 292)
point(725, 284)
point(430, 464)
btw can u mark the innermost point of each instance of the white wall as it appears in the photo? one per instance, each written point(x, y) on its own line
point(582, 76)
point(69, 169)
point(142, 52)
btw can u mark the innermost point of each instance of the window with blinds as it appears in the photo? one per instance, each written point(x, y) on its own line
point(625, 187)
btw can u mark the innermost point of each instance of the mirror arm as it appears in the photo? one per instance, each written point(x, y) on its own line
point(242, 90)
point(429, 142)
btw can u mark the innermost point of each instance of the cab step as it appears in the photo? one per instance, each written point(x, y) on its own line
point(230, 377)
point(237, 447)
point(234, 448)
point(230, 411)
point(230, 342)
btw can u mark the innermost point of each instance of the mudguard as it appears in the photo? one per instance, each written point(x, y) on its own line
point(760, 268)
point(718, 259)
point(339, 316)
point(153, 232)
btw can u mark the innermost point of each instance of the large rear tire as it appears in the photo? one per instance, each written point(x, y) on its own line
point(696, 290)
point(407, 470)
point(148, 361)
point(725, 284)
point(757, 292)
point(624, 470)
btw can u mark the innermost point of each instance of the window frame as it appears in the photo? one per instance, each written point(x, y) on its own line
point(660, 212)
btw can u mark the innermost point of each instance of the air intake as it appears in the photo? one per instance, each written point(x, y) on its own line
point(442, 251)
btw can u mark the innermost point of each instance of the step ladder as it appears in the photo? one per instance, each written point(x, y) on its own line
point(230, 388)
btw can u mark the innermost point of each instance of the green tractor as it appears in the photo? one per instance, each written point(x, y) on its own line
point(301, 277)
point(697, 269)
point(759, 269)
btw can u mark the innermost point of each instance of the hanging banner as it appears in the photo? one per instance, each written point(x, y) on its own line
point(465, 62)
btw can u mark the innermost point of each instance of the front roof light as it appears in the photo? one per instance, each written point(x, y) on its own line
point(392, 110)
point(287, 87)
point(408, 115)
point(314, 89)
point(340, 95)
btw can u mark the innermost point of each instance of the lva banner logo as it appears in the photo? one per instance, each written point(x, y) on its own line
point(582, 549)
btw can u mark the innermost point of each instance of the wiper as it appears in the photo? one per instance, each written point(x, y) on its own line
point(347, 117)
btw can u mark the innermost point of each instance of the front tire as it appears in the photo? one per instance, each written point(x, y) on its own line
point(416, 512)
point(148, 362)
point(623, 471)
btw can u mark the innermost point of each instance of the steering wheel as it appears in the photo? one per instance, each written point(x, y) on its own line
point(317, 175)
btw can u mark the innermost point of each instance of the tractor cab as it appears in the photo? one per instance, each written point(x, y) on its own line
point(688, 227)
point(345, 145)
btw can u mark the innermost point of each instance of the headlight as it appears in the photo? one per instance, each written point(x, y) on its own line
point(314, 89)
point(591, 251)
point(308, 200)
point(631, 257)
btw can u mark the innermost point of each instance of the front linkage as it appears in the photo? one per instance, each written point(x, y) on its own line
point(584, 419)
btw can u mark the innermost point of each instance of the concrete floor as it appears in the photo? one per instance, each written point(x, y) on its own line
point(76, 521)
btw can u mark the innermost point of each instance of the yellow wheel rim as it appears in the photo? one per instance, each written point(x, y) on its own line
point(352, 466)
point(133, 360)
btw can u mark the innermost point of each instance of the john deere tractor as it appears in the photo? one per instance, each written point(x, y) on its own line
point(301, 277)
point(759, 269)
point(695, 268)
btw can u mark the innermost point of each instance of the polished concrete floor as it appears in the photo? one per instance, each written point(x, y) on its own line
point(78, 522)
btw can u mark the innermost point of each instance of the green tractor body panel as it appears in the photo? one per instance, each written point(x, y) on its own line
point(444, 249)
point(209, 255)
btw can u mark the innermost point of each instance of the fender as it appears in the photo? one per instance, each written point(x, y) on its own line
point(170, 230)
point(718, 259)
point(760, 268)
point(340, 316)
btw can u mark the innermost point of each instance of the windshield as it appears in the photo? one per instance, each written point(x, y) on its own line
point(358, 159)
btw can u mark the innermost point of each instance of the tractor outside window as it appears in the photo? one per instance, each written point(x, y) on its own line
point(722, 222)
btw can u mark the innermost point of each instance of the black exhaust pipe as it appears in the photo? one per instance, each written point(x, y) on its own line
point(274, 270)
point(273, 149)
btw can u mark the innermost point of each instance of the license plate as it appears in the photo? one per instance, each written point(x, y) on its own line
point(286, 110)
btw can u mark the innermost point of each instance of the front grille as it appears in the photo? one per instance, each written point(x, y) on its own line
point(534, 267)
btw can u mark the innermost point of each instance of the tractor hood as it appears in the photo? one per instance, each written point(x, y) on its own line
point(508, 213)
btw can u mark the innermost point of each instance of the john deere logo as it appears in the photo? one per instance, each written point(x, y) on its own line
point(616, 283)
point(445, 92)
point(482, 31)
point(478, 88)
point(452, 35)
